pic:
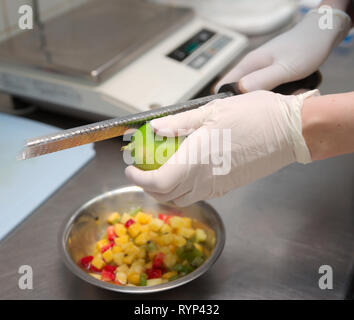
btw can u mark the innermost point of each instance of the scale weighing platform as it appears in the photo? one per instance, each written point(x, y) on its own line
point(115, 57)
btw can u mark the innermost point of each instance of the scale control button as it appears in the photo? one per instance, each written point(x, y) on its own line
point(178, 55)
point(200, 60)
point(220, 43)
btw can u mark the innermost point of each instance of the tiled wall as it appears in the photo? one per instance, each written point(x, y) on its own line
point(48, 8)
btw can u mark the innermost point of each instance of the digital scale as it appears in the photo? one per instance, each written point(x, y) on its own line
point(115, 57)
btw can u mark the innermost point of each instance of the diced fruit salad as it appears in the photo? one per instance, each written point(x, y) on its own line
point(140, 249)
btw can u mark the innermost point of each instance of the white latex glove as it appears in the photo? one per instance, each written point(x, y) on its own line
point(265, 134)
point(291, 56)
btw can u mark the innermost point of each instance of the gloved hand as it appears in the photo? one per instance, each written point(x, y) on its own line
point(291, 56)
point(257, 133)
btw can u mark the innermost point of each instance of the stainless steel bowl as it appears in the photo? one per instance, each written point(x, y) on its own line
point(87, 225)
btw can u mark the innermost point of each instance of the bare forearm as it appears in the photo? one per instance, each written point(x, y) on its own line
point(328, 125)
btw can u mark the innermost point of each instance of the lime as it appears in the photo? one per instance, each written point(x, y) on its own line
point(150, 151)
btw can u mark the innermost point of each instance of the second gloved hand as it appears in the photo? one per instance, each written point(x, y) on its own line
point(290, 56)
point(231, 142)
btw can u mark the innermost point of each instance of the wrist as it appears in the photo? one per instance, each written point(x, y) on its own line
point(313, 123)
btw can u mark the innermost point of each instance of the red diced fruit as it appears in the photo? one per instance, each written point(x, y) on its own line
point(94, 269)
point(164, 217)
point(109, 268)
point(106, 247)
point(129, 223)
point(107, 275)
point(110, 233)
point(86, 262)
point(153, 273)
point(158, 260)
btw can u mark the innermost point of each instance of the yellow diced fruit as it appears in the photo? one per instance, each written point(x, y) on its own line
point(123, 268)
point(117, 249)
point(132, 250)
point(137, 266)
point(142, 238)
point(140, 261)
point(159, 240)
point(121, 240)
point(164, 250)
point(134, 229)
point(170, 260)
point(179, 241)
point(206, 252)
point(168, 275)
point(128, 259)
point(167, 239)
point(176, 222)
point(98, 262)
point(148, 265)
point(186, 232)
point(120, 229)
point(143, 218)
point(152, 254)
point(100, 244)
point(145, 228)
point(152, 235)
point(134, 278)
point(172, 247)
point(121, 277)
point(166, 228)
point(154, 282)
point(107, 255)
point(125, 218)
point(200, 235)
point(187, 222)
point(126, 246)
point(95, 275)
point(179, 222)
point(113, 217)
point(198, 246)
point(118, 258)
point(156, 224)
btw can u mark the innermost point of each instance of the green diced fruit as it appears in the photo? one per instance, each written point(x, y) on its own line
point(175, 277)
point(183, 269)
point(197, 261)
point(143, 279)
point(178, 267)
point(134, 211)
point(189, 245)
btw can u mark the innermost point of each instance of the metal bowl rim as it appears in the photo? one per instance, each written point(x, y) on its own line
point(73, 267)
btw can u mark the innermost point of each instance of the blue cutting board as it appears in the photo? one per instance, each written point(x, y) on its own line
point(24, 185)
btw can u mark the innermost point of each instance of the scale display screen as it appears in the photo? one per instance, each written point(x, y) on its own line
point(188, 47)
